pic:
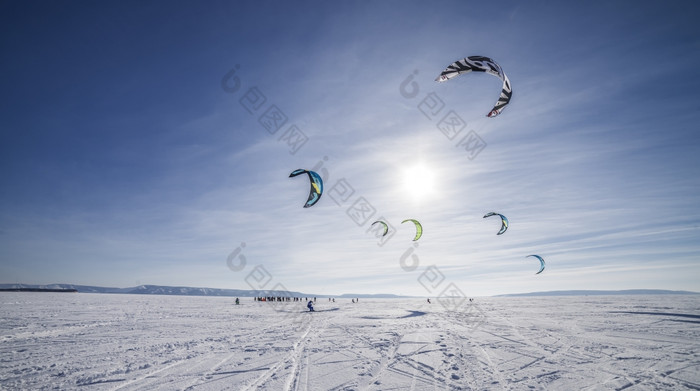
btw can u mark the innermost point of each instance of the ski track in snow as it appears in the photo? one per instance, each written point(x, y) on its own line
point(139, 342)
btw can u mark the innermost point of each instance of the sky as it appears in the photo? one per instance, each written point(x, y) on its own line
point(152, 142)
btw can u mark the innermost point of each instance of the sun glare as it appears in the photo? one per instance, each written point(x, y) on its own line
point(418, 182)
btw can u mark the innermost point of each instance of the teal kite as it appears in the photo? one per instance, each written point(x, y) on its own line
point(316, 186)
point(541, 262)
point(504, 221)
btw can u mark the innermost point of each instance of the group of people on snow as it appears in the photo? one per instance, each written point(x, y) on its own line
point(281, 298)
point(310, 303)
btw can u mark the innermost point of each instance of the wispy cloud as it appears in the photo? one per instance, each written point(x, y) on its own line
point(594, 162)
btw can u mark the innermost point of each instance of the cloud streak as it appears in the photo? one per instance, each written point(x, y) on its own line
point(594, 162)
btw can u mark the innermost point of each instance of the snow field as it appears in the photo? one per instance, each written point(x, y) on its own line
point(147, 342)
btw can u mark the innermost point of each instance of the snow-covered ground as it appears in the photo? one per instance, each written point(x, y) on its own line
point(142, 342)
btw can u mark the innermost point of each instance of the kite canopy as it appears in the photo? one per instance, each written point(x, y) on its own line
point(541, 262)
point(419, 228)
point(481, 64)
point(316, 186)
point(504, 221)
point(386, 226)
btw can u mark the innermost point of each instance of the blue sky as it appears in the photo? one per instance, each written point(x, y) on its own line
point(124, 161)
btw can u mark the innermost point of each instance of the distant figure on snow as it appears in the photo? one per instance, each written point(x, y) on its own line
point(428, 301)
point(310, 305)
point(237, 301)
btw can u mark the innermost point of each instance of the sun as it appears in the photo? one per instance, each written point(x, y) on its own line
point(418, 181)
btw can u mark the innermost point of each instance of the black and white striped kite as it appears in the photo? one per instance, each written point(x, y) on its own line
point(481, 64)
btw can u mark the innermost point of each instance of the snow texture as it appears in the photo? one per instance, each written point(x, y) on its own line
point(142, 342)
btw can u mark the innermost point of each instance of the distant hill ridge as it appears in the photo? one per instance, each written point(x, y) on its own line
point(22, 289)
point(154, 290)
point(181, 291)
point(193, 291)
point(602, 293)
